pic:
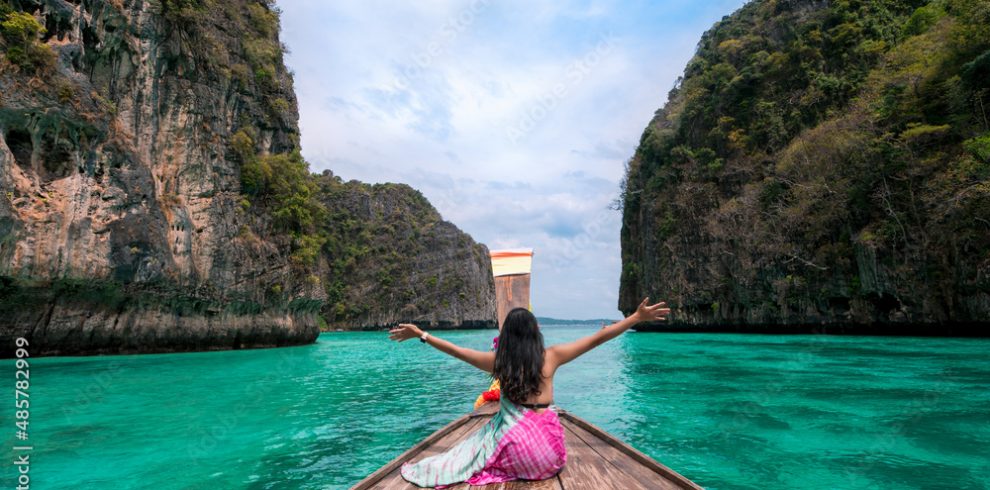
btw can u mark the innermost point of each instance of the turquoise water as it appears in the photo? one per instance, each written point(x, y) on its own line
point(728, 411)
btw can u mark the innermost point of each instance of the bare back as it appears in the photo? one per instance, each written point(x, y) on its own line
point(551, 361)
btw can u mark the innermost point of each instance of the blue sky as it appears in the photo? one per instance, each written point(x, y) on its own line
point(513, 118)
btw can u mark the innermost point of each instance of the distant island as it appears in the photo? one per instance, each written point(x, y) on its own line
point(557, 321)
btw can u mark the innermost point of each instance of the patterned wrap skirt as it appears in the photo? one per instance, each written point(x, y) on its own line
point(516, 444)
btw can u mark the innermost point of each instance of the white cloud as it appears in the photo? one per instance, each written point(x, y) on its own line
point(429, 93)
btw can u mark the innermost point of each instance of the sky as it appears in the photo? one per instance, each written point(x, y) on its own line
point(514, 118)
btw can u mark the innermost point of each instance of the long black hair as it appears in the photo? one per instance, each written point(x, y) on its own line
point(519, 357)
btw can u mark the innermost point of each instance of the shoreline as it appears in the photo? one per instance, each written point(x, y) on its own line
point(955, 330)
point(426, 326)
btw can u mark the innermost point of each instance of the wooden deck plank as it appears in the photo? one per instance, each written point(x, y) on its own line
point(548, 484)
point(638, 465)
point(393, 484)
point(551, 484)
point(586, 470)
point(612, 458)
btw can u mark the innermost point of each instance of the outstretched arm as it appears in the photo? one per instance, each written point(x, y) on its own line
point(484, 361)
point(565, 353)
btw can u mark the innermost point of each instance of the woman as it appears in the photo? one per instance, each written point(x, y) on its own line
point(524, 439)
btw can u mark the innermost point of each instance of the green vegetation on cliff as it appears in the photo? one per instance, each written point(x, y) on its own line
point(155, 197)
point(391, 257)
point(820, 162)
point(20, 44)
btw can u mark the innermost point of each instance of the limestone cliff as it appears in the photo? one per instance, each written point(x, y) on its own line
point(133, 217)
point(394, 259)
point(821, 165)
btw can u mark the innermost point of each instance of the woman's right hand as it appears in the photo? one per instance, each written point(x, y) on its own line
point(404, 331)
point(651, 313)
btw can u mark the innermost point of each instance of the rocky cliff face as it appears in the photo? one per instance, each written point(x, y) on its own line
point(394, 259)
point(128, 129)
point(820, 163)
point(120, 213)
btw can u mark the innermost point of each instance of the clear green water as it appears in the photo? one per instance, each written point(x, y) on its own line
point(728, 411)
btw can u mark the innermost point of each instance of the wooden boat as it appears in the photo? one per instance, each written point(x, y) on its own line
point(595, 460)
point(511, 269)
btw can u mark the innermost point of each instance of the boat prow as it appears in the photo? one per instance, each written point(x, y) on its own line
point(595, 460)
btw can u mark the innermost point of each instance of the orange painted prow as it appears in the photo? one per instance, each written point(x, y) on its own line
point(511, 269)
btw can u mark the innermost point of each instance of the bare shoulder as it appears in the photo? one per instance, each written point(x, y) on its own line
point(551, 356)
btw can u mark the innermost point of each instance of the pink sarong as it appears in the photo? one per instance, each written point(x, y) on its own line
point(516, 444)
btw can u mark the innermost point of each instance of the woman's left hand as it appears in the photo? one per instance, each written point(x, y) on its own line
point(651, 313)
point(404, 331)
